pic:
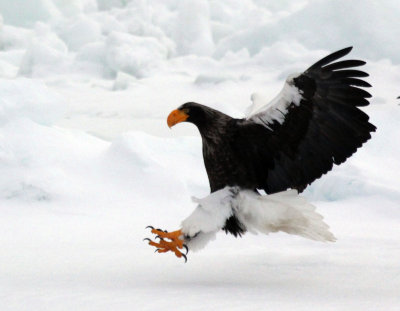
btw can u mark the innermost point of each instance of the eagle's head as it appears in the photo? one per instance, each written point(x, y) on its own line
point(195, 113)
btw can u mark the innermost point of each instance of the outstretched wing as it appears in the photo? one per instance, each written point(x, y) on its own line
point(312, 124)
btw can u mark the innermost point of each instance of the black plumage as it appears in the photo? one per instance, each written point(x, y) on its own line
point(324, 128)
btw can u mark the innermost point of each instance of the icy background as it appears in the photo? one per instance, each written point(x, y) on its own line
point(87, 161)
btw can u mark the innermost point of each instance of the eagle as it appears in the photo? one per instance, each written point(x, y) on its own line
point(258, 165)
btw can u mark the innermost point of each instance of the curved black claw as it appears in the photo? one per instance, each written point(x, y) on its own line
point(187, 248)
point(158, 229)
point(151, 227)
point(157, 236)
point(156, 251)
point(184, 256)
point(165, 231)
point(147, 239)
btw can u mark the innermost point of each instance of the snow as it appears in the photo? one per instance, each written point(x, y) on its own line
point(193, 33)
point(27, 13)
point(29, 99)
point(340, 23)
point(134, 55)
point(87, 160)
point(45, 52)
point(80, 32)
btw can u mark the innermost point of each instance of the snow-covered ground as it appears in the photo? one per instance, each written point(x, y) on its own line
point(87, 161)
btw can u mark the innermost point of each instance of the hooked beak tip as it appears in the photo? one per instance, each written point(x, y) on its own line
point(176, 117)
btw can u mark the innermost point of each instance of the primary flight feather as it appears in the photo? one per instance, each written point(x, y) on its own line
point(313, 123)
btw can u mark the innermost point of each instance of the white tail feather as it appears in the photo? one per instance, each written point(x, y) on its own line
point(284, 211)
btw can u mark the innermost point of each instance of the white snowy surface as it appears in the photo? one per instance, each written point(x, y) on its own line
point(87, 160)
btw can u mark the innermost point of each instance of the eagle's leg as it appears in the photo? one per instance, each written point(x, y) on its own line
point(176, 242)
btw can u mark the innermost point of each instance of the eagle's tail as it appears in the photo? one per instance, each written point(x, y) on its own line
point(285, 211)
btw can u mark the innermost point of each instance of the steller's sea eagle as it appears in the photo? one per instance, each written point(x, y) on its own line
point(280, 147)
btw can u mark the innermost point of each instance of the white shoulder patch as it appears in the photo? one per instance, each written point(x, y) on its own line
point(264, 112)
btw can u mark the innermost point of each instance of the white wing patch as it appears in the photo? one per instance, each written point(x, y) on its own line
point(263, 112)
point(284, 211)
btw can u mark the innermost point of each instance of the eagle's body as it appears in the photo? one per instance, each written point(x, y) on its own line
point(286, 144)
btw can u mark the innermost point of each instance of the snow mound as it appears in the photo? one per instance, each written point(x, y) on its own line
point(71, 8)
point(45, 53)
point(154, 154)
point(41, 162)
point(193, 31)
point(340, 23)
point(79, 31)
point(138, 56)
point(29, 99)
point(27, 13)
point(109, 4)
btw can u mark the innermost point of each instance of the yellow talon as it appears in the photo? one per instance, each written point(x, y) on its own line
point(176, 242)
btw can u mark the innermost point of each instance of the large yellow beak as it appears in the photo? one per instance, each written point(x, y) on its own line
point(176, 117)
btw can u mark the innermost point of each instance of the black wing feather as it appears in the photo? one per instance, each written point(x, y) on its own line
point(355, 82)
point(326, 128)
point(330, 58)
point(344, 64)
